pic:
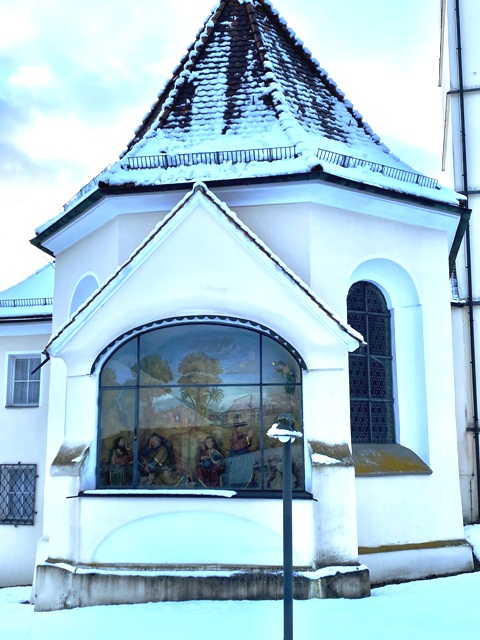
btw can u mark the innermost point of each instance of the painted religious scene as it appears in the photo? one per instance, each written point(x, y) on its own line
point(188, 407)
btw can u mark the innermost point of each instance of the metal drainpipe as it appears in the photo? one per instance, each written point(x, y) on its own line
point(463, 141)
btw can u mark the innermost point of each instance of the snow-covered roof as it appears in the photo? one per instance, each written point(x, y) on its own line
point(32, 297)
point(248, 100)
point(248, 84)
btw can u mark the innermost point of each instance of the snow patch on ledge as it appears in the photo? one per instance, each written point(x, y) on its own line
point(215, 493)
point(319, 458)
point(330, 571)
point(201, 573)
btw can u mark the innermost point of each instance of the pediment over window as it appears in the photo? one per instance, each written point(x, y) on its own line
point(202, 259)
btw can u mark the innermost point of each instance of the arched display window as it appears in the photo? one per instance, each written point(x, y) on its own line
point(188, 407)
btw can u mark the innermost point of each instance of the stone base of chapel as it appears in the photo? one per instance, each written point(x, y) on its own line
point(66, 586)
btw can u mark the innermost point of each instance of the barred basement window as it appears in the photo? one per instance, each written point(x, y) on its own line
point(370, 368)
point(188, 407)
point(17, 493)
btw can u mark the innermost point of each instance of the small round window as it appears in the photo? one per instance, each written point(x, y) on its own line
point(188, 407)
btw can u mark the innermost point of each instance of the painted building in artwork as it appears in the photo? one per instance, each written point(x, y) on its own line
point(460, 73)
point(257, 251)
point(25, 325)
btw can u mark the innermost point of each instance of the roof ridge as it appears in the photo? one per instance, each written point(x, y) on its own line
point(272, 87)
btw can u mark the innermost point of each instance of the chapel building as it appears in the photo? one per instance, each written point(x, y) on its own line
point(255, 253)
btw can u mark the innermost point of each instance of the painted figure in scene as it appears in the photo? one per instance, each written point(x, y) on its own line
point(239, 469)
point(157, 462)
point(210, 464)
point(119, 463)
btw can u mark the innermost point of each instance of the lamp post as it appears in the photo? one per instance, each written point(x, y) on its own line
point(283, 430)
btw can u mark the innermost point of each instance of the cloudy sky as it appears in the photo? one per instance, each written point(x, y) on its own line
point(76, 78)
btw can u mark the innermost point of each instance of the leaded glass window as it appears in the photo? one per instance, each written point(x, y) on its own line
point(370, 368)
point(188, 407)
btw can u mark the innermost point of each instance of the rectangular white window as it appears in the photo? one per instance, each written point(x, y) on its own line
point(23, 383)
point(17, 493)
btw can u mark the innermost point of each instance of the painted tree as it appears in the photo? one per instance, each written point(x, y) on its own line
point(154, 370)
point(200, 375)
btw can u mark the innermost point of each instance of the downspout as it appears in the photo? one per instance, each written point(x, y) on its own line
point(463, 143)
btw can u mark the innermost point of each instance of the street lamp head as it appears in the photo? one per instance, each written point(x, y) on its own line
point(284, 429)
point(286, 421)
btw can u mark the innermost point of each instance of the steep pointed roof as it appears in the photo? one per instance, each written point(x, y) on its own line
point(246, 72)
point(248, 100)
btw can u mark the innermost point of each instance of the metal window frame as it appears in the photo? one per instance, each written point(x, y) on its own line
point(13, 510)
point(261, 333)
point(13, 358)
point(387, 360)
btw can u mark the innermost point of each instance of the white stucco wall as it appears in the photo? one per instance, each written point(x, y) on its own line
point(23, 437)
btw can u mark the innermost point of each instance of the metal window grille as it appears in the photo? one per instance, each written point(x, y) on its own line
point(370, 368)
point(17, 493)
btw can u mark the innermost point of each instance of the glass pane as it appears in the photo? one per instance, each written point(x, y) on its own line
point(201, 354)
point(358, 374)
point(121, 368)
point(278, 365)
point(16, 481)
point(382, 422)
point(241, 420)
point(379, 335)
point(356, 297)
point(375, 299)
point(21, 368)
point(277, 400)
point(360, 420)
point(33, 392)
point(117, 437)
point(381, 378)
point(34, 364)
point(359, 322)
point(20, 393)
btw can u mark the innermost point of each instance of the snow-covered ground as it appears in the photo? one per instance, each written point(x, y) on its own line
point(441, 609)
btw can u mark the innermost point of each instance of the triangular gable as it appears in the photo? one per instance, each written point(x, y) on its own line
point(278, 270)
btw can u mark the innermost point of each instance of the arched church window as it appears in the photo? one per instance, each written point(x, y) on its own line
point(188, 407)
point(370, 367)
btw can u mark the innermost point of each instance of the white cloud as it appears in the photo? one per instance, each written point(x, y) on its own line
point(15, 27)
point(31, 76)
